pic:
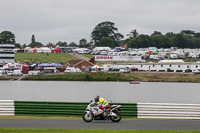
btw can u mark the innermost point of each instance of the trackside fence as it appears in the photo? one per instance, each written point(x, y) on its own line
point(168, 110)
point(128, 110)
point(65, 108)
point(7, 107)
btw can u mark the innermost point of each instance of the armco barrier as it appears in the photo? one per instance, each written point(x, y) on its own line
point(168, 110)
point(131, 110)
point(7, 107)
point(65, 108)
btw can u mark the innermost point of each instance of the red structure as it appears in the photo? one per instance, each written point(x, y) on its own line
point(57, 50)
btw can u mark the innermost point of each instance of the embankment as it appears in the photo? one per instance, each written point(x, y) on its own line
point(138, 76)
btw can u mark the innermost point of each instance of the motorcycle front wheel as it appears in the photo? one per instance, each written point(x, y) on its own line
point(116, 118)
point(88, 117)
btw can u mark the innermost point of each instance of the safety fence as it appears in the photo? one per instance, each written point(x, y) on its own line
point(65, 108)
point(129, 110)
point(7, 107)
point(168, 110)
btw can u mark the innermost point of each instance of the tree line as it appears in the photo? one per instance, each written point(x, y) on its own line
point(106, 34)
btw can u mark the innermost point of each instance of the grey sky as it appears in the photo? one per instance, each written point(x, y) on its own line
point(72, 20)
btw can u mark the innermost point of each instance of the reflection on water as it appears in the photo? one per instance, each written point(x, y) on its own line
point(66, 91)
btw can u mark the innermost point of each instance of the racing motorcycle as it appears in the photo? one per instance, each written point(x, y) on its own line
point(93, 112)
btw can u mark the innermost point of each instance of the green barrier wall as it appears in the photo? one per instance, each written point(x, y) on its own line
point(38, 108)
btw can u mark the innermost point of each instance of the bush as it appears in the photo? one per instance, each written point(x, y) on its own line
point(87, 77)
point(188, 70)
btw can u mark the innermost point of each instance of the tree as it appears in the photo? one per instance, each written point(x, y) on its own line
point(106, 29)
point(51, 45)
point(73, 44)
point(83, 43)
point(189, 32)
point(157, 40)
point(133, 34)
point(24, 46)
point(106, 41)
point(140, 42)
point(7, 37)
point(61, 44)
point(34, 43)
point(17, 45)
point(156, 33)
point(33, 39)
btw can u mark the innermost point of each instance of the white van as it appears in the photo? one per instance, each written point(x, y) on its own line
point(72, 70)
point(125, 70)
point(173, 56)
point(197, 71)
point(17, 73)
point(34, 72)
point(153, 57)
point(9, 73)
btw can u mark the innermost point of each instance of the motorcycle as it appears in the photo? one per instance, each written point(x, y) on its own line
point(93, 112)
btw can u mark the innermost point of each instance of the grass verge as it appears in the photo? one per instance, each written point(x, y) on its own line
point(92, 131)
point(142, 77)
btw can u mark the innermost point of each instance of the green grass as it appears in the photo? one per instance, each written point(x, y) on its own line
point(35, 57)
point(88, 55)
point(142, 77)
point(4, 78)
point(80, 77)
point(92, 131)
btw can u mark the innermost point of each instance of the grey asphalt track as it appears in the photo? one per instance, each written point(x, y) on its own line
point(101, 124)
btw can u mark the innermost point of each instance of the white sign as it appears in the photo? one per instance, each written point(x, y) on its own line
point(117, 58)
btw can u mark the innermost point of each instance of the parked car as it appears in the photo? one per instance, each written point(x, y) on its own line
point(103, 53)
point(134, 69)
point(36, 72)
point(196, 71)
point(88, 52)
point(72, 70)
point(9, 73)
point(2, 70)
point(173, 56)
point(46, 71)
point(17, 73)
point(125, 70)
point(56, 71)
point(81, 52)
point(96, 52)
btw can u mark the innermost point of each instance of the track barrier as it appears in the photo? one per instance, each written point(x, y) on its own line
point(128, 110)
point(7, 107)
point(168, 110)
point(65, 108)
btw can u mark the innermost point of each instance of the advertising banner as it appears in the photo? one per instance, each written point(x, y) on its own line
point(117, 58)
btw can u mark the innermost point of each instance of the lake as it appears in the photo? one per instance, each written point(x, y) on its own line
point(77, 91)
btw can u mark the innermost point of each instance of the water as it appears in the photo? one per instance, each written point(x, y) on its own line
point(65, 91)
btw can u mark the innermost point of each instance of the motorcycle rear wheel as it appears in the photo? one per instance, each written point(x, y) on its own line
point(116, 118)
point(88, 117)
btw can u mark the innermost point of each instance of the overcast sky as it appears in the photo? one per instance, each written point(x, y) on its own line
point(72, 20)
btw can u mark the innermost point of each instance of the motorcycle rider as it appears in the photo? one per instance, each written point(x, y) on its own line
point(103, 104)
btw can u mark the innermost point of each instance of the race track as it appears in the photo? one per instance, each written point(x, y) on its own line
point(100, 124)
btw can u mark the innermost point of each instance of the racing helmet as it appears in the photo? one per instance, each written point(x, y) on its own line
point(96, 99)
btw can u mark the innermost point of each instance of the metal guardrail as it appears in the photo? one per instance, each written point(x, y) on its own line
point(65, 108)
point(168, 110)
point(7, 107)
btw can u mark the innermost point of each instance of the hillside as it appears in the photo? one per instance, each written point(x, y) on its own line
point(36, 57)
